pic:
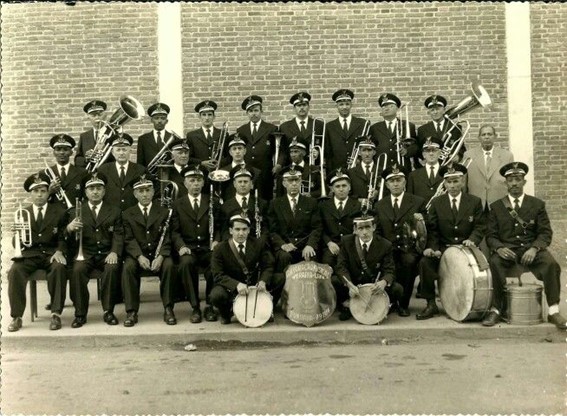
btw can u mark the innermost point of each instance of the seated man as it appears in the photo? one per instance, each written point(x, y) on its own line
point(241, 261)
point(40, 244)
point(519, 233)
point(365, 257)
point(147, 244)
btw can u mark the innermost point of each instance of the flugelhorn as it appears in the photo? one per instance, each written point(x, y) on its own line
point(23, 231)
point(219, 175)
point(60, 194)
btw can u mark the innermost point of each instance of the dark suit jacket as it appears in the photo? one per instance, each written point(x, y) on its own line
point(232, 207)
point(386, 141)
point(443, 230)
point(379, 259)
point(189, 228)
point(391, 226)
point(420, 185)
point(141, 238)
point(315, 182)
point(74, 177)
point(148, 148)
point(505, 231)
point(301, 229)
point(335, 225)
point(338, 145)
point(291, 130)
point(227, 188)
point(359, 181)
point(227, 272)
point(201, 149)
point(117, 194)
point(86, 142)
point(173, 175)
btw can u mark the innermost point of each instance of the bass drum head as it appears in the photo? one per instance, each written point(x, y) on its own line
point(257, 311)
point(456, 283)
point(368, 308)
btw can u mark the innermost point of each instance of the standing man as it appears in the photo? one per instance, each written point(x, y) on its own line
point(121, 174)
point(341, 133)
point(433, 129)
point(260, 146)
point(390, 135)
point(99, 227)
point(364, 171)
point(87, 140)
point(45, 250)
point(425, 181)
point(149, 144)
point(239, 262)
point(483, 179)
point(394, 213)
point(454, 218)
point(519, 233)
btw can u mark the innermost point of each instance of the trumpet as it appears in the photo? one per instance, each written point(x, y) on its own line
point(60, 194)
point(441, 188)
point(219, 175)
point(163, 157)
point(168, 196)
point(22, 228)
point(79, 234)
point(317, 143)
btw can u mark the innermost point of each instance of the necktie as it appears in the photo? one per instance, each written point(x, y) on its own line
point(63, 174)
point(146, 214)
point(396, 207)
point(209, 137)
point(39, 218)
point(345, 126)
point(391, 126)
point(432, 174)
point(159, 140)
point(303, 126)
point(122, 174)
point(254, 130)
point(516, 204)
point(454, 207)
point(438, 127)
point(293, 205)
point(93, 211)
point(365, 248)
point(487, 159)
point(340, 207)
point(367, 171)
point(196, 205)
point(241, 250)
point(244, 203)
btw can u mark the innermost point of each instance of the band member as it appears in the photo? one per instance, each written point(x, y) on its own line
point(337, 214)
point(454, 218)
point(122, 174)
point(100, 233)
point(519, 233)
point(237, 152)
point(295, 223)
point(364, 257)
point(310, 178)
point(180, 155)
point(66, 185)
point(364, 171)
point(44, 225)
point(482, 178)
point(87, 140)
point(341, 133)
point(149, 144)
point(390, 134)
point(394, 213)
point(259, 146)
point(147, 247)
point(239, 262)
point(425, 181)
point(191, 237)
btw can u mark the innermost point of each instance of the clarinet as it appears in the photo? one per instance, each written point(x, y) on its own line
point(211, 219)
point(257, 217)
point(163, 233)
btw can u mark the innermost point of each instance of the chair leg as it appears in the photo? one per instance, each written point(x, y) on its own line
point(33, 299)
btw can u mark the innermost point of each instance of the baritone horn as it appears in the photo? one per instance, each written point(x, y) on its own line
point(163, 157)
point(23, 231)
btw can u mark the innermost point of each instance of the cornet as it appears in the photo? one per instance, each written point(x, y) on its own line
point(22, 227)
point(60, 194)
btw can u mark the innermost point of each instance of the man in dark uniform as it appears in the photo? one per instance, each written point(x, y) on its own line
point(121, 174)
point(364, 171)
point(102, 241)
point(364, 257)
point(341, 133)
point(149, 144)
point(66, 185)
point(394, 213)
point(519, 233)
point(241, 261)
point(391, 134)
point(454, 218)
point(191, 237)
point(337, 214)
point(87, 140)
point(147, 244)
point(259, 146)
point(237, 152)
point(425, 181)
point(42, 247)
point(295, 223)
point(180, 155)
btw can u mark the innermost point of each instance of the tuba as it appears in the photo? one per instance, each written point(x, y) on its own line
point(22, 227)
point(219, 175)
point(450, 146)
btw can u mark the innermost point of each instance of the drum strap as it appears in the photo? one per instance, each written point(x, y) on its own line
point(239, 259)
point(480, 259)
point(514, 214)
point(365, 267)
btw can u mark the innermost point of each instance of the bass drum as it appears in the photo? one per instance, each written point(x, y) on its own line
point(369, 308)
point(253, 309)
point(465, 283)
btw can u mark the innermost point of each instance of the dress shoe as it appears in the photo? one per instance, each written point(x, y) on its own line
point(210, 314)
point(225, 319)
point(79, 321)
point(110, 318)
point(131, 319)
point(169, 316)
point(196, 316)
point(55, 323)
point(344, 314)
point(557, 320)
point(271, 318)
point(491, 319)
point(48, 306)
point(429, 312)
point(15, 325)
point(403, 311)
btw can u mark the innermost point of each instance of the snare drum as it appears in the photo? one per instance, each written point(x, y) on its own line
point(253, 309)
point(369, 308)
point(465, 283)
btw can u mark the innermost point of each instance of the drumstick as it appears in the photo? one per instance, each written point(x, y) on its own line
point(353, 287)
point(255, 301)
point(246, 308)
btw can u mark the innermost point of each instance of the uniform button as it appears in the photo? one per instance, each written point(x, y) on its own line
point(39, 235)
point(395, 225)
point(98, 242)
point(397, 236)
point(253, 147)
point(456, 227)
point(96, 230)
point(198, 237)
point(456, 238)
point(522, 244)
point(516, 224)
point(99, 252)
point(431, 188)
point(198, 225)
point(147, 232)
point(122, 188)
point(517, 236)
point(341, 234)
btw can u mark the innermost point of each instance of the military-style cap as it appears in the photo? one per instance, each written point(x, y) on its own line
point(239, 171)
point(62, 140)
point(363, 216)
point(452, 170)
point(179, 144)
point(300, 97)
point(251, 101)
point(432, 143)
point(337, 175)
point(242, 217)
point(365, 141)
point(235, 140)
point(435, 100)
point(142, 182)
point(192, 171)
point(292, 171)
point(94, 105)
point(514, 168)
point(35, 180)
point(393, 171)
point(388, 98)
point(158, 108)
point(206, 105)
point(297, 144)
point(94, 179)
point(341, 95)
point(121, 139)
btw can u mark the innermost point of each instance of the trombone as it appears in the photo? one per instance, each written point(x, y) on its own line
point(219, 175)
point(23, 231)
point(352, 160)
point(317, 143)
point(60, 194)
point(405, 142)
